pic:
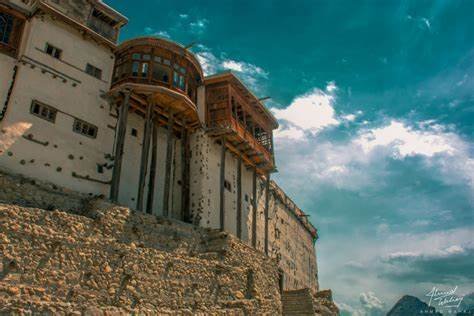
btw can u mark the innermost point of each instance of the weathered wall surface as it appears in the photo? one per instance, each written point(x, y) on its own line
point(53, 151)
point(289, 241)
point(117, 260)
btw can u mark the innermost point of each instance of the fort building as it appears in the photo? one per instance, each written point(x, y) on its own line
point(140, 124)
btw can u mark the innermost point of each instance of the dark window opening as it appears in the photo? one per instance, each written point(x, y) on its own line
point(227, 186)
point(6, 27)
point(135, 68)
point(160, 73)
point(94, 71)
point(246, 197)
point(134, 132)
point(100, 169)
point(84, 128)
point(43, 111)
point(53, 51)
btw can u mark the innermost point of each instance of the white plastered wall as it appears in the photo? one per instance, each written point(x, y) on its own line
point(63, 85)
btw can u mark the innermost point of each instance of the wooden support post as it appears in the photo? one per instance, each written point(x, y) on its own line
point(254, 209)
point(267, 200)
point(169, 157)
point(185, 212)
point(222, 189)
point(119, 144)
point(145, 154)
point(239, 198)
point(151, 180)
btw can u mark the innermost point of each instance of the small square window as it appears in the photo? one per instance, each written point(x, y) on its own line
point(43, 111)
point(157, 59)
point(146, 57)
point(53, 51)
point(136, 56)
point(167, 62)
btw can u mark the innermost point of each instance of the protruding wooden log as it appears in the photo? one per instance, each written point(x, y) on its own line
point(119, 144)
point(222, 189)
point(169, 157)
point(145, 154)
point(151, 180)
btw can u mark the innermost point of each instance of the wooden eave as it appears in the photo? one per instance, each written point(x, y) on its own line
point(46, 8)
point(156, 42)
point(231, 78)
point(115, 15)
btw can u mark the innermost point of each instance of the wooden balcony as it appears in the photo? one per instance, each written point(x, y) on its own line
point(160, 73)
point(235, 114)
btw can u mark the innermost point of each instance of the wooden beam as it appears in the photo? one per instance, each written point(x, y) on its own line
point(267, 200)
point(254, 209)
point(119, 144)
point(185, 176)
point(145, 154)
point(169, 156)
point(151, 180)
point(221, 186)
point(239, 198)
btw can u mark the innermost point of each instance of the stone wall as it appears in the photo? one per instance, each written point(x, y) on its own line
point(17, 189)
point(112, 259)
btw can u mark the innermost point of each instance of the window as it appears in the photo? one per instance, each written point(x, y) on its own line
point(182, 83)
point(6, 27)
point(246, 197)
point(84, 128)
point(135, 67)
point(134, 132)
point(145, 70)
point(175, 79)
point(94, 71)
point(157, 59)
point(43, 111)
point(53, 51)
point(227, 186)
point(160, 73)
point(167, 62)
point(146, 57)
point(136, 56)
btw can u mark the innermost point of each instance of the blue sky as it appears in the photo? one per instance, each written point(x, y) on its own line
point(376, 105)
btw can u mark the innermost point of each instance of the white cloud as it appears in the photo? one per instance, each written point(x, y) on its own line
point(349, 117)
point(406, 141)
point(199, 26)
point(361, 161)
point(183, 16)
point(290, 132)
point(151, 31)
point(437, 244)
point(232, 65)
point(331, 87)
point(310, 112)
point(371, 304)
point(251, 74)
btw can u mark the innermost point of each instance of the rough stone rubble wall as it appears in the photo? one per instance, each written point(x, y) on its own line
point(116, 260)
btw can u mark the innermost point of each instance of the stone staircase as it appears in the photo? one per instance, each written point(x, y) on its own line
point(297, 303)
